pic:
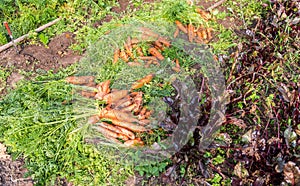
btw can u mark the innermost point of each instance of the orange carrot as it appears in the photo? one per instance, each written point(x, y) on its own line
point(181, 27)
point(153, 51)
point(128, 125)
point(147, 58)
point(164, 41)
point(126, 132)
point(143, 111)
point(190, 32)
point(176, 69)
point(204, 34)
point(116, 56)
point(128, 50)
point(134, 41)
point(176, 33)
point(147, 114)
point(204, 14)
point(109, 127)
point(93, 119)
point(144, 122)
point(115, 96)
point(158, 45)
point(125, 102)
point(134, 64)
point(118, 115)
point(177, 63)
point(142, 82)
point(209, 37)
point(110, 133)
point(148, 33)
point(132, 143)
point(80, 80)
point(129, 108)
point(139, 51)
point(87, 94)
point(124, 56)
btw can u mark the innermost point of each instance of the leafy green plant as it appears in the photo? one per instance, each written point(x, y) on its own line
point(153, 169)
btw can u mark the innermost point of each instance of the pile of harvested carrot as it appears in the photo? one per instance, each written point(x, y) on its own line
point(124, 115)
point(132, 53)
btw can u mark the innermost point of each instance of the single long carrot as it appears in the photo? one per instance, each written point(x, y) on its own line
point(181, 27)
point(80, 80)
point(176, 33)
point(128, 125)
point(129, 108)
point(116, 56)
point(110, 133)
point(142, 82)
point(115, 96)
point(126, 132)
point(134, 142)
point(164, 41)
point(125, 102)
point(109, 127)
point(190, 32)
point(153, 51)
point(118, 115)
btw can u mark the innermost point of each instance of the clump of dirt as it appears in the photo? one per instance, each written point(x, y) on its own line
point(12, 172)
point(33, 57)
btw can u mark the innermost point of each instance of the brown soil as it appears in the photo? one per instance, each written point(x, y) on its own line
point(38, 57)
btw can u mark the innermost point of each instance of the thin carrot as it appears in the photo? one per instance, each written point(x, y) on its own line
point(153, 51)
point(80, 80)
point(125, 102)
point(142, 82)
point(158, 45)
point(147, 58)
point(87, 94)
point(190, 32)
point(139, 51)
point(110, 133)
point(128, 125)
point(176, 33)
point(116, 56)
point(204, 14)
point(181, 27)
point(209, 37)
point(109, 127)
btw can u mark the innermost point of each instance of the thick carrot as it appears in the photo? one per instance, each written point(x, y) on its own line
point(115, 96)
point(126, 132)
point(153, 51)
point(147, 58)
point(118, 115)
point(105, 86)
point(93, 119)
point(128, 125)
point(134, 142)
point(181, 27)
point(87, 94)
point(80, 80)
point(116, 56)
point(190, 32)
point(142, 82)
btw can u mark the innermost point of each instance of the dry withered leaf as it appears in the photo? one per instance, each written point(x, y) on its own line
point(291, 173)
point(240, 170)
